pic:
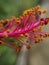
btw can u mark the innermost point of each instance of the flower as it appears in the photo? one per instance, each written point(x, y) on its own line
point(16, 32)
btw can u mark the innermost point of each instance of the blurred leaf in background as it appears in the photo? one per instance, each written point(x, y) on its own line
point(10, 8)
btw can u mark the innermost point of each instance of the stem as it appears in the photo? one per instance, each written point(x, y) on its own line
point(23, 57)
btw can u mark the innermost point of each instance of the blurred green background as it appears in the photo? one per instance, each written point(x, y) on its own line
point(9, 8)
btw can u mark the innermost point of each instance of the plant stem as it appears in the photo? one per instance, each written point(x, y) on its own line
point(23, 57)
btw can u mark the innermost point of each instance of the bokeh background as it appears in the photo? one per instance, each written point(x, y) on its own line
point(39, 54)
